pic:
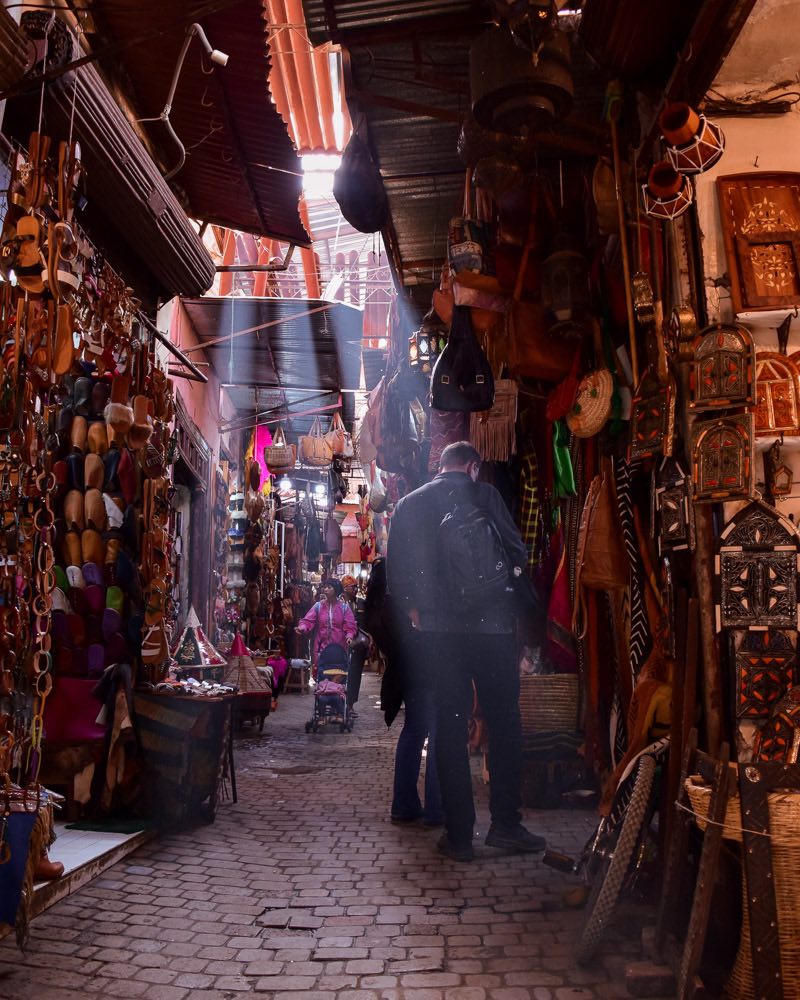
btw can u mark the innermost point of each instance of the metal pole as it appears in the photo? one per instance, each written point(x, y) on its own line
point(173, 350)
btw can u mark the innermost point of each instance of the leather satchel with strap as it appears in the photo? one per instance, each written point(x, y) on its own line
point(532, 353)
point(601, 561)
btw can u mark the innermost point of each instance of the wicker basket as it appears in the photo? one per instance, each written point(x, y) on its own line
point(549, 702)
point(784, 820)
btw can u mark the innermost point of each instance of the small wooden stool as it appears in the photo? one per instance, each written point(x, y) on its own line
point(298, 675)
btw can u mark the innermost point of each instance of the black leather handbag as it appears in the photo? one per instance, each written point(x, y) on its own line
point(462, 378)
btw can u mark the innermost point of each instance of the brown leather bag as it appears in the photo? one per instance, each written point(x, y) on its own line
point(601, 561)
point(533, 353)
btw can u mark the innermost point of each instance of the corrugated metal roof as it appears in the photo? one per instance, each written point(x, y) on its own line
point(305, 359)
point(330, 19)
point(300, 80)
point(241, 170)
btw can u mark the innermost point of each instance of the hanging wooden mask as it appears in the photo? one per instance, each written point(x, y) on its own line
point(777, 394)
point(652, 417)
point(765, 669)
point(757, 568)
point(674, 508)
point(722, 459)
point(723, 368)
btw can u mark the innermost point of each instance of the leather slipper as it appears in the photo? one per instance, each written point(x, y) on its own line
point(95, 510)
point(94, 472)
point(118, 412)
point(74, 510)
point(98, 437)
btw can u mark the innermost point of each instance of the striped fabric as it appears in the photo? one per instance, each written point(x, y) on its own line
point(641, 641)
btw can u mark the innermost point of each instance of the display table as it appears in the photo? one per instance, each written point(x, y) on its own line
point(185, 742)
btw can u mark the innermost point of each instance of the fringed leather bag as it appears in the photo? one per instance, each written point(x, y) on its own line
point(493, 432)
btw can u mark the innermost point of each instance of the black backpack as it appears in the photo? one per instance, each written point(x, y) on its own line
point(473, 565)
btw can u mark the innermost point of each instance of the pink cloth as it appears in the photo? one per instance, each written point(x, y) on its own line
point(263, 440)
point(279, 666)
point(329, 623)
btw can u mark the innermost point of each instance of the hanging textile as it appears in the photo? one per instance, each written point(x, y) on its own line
point(529, 503)
point(640, 638)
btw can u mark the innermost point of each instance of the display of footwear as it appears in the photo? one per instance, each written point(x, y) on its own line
point(456, 852)
point(515, 838)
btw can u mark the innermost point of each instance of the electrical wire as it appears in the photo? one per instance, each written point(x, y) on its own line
point(751, 104)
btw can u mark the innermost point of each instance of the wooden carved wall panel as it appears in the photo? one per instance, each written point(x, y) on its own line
point(652, 417)
point(757, 569)
point(761, 228)
point(723, 368)
point(722, 459)
point(758, 588)
point(777, 394)
point(765, 670)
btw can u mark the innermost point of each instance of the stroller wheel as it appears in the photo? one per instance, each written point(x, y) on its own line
point(308, 727)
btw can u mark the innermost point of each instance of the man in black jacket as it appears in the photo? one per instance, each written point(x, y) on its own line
point(459, 649)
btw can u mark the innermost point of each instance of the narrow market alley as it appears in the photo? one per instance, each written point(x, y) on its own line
point(304, 888)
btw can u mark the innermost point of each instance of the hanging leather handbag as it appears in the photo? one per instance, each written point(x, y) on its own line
point(333, 535)
point(338, 438)
point(315, 450)
point(532, 352)
point(279, 455)
point(470, 245)
point(462, 378)
point(601, 560)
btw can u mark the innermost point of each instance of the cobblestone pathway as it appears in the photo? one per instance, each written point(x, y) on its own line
point(304, 889)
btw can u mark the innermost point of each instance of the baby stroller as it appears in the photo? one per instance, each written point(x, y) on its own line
point(330, 690)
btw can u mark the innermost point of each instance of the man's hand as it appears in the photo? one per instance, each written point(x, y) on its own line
point(413, 617)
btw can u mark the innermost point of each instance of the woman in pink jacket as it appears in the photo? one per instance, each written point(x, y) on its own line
point(330, 620)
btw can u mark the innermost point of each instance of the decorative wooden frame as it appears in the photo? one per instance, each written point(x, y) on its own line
point(652, 417)
point(674, 507)
point(777, 407)
point(760, 215)
point(756, 565)
point(722, 459)
point(766, 664)
point(723, 368)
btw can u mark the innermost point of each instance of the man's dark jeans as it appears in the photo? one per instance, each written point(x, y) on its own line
point(453, 662)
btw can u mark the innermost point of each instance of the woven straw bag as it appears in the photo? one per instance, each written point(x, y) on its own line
point(315, 450)
point(279, 455)
point(549, 702)
point(592, 407)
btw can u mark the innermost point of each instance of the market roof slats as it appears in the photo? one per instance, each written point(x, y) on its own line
point(315, 348)
point(241, 170)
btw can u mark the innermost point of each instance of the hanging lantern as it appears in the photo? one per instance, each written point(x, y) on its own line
point(513, 92)
point(425, 346)
point(565, 281)
point(667, 194)
point(413, 351)
point(694, 144)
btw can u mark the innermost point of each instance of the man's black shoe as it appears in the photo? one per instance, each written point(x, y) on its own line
point(456, 852)
point(515, 838)
point(407, 820)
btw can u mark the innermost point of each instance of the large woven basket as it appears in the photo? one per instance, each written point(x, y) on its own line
point(549, 703)
point(784, 820)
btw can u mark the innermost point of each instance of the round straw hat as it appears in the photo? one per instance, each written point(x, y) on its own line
point(592, 406)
